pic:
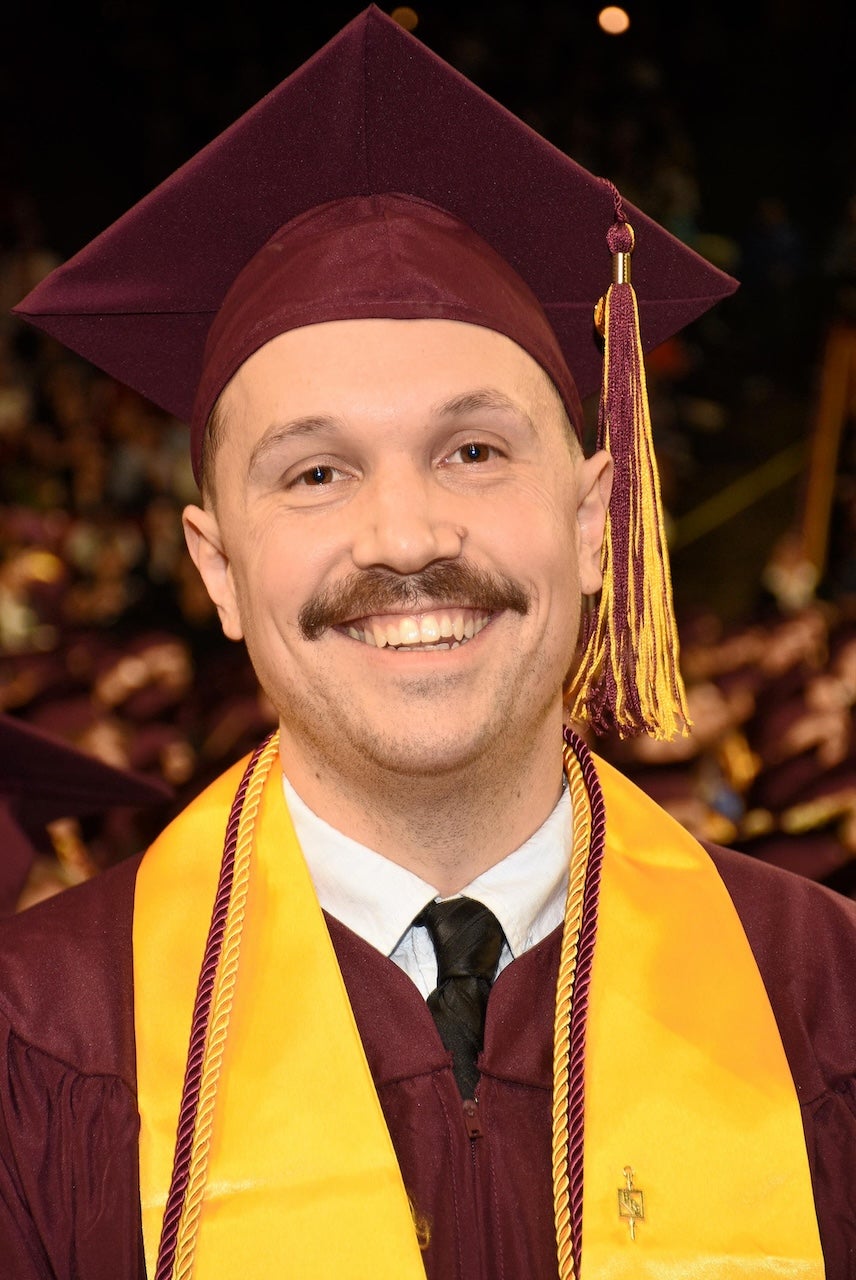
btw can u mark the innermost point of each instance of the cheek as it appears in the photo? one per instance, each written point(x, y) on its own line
point(556, 575)
point(539, 504)
point(278, 570)
point(542, 538)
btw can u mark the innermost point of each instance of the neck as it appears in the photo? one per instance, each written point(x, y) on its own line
point(446, 827)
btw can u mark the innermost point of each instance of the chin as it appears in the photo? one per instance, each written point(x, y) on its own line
point(422, 755)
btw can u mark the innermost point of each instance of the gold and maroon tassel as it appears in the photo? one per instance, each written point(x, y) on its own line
point(629, 680)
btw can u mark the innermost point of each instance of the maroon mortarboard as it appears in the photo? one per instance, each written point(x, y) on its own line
point(375, 141)
point(372, 112)
point(43, 778)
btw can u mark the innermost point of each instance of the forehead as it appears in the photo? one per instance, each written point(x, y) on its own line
point(382, 368)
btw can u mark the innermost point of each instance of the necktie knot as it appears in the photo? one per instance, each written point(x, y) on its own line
point(467, 938)
point(467, 941)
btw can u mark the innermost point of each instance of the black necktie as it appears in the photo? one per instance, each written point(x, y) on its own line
point(467, 938)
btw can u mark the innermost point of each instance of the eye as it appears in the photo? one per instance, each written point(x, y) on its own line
point(473, 451)
point(316, 476)
point(316, 479)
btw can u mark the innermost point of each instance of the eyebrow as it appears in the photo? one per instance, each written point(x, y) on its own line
point(484, 398)
point(457, 407)
point(280, 432)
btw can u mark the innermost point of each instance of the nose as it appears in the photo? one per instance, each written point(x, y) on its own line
point(405, 523)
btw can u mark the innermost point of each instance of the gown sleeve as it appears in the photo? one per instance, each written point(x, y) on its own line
point(803, 936)
point(68, 1193)
point(69, 1176)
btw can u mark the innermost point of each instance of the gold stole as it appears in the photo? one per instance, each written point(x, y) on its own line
point(302, 1179)
point(686, 1082)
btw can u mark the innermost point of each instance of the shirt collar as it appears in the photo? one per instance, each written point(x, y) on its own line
point(377, 899)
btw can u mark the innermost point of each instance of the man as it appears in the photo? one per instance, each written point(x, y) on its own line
point(241, 1073)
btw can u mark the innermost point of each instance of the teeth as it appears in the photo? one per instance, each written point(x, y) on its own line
point(429, 629)
point(416, 634)
point(408, 630)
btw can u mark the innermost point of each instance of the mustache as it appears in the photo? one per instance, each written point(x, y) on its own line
point(370, 591)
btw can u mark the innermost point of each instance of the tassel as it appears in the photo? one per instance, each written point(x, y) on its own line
point(629, 679)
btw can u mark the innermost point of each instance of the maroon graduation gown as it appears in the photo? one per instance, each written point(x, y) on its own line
point(69, 1196)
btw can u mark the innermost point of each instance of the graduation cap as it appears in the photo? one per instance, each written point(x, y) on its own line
point(43, 778)
point(378, 181)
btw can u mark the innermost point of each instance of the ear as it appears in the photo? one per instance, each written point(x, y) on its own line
point(202, 535)
point(594, 486)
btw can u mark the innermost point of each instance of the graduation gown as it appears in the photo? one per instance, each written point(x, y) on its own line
point(478, 1174)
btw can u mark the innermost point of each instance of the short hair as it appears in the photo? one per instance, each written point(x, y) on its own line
point(215, 429)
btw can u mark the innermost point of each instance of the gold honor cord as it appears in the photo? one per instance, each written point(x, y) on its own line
point(218, 1024)
point(580, 848)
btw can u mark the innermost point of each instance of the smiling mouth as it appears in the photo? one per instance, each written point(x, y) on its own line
point(418, 632)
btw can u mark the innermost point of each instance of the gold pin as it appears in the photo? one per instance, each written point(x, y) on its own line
point(631, 1202)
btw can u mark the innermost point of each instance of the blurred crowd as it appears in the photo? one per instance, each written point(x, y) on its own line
point(770, 764)
point(108, 640)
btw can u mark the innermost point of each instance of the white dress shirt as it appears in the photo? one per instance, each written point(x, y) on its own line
point(377, 899)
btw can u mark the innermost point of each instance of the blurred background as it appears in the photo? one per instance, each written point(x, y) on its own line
point(731, 124)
